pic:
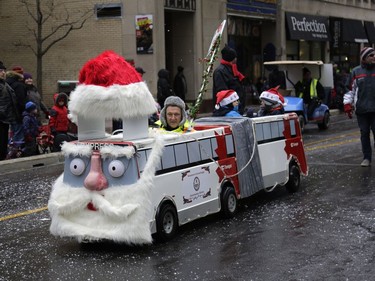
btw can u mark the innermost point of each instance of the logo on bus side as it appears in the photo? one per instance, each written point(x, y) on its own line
point(196, 183)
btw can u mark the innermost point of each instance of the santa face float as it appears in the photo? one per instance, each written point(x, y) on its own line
point(102, 194)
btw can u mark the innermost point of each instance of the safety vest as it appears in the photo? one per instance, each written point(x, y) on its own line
point(313, 93)
point(186, 127)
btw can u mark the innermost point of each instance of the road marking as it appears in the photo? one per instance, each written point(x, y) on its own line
point(25, 213)
point(330, 144)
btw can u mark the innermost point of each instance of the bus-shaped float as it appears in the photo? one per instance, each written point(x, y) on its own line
point(131, 191)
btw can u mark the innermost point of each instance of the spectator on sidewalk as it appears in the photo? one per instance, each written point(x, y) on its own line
point(179, 83)
point(59, 122)
point(31, 128)
point(15, 80)
point(8, 111)
point(34, 96)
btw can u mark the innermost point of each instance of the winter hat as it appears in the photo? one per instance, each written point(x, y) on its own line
point(225, 97)
point(305, 70)
point(173, 101)
point(18, 69)
point(27, 76)
point(2, 66)
point(30, 106)
point(228, 54)
point(140, 70)
point(365, 52)
point(272, 97)
point(111, 88)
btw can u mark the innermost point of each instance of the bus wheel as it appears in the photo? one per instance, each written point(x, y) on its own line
point(294, 178)
point(229, 202)
point(301, 121)
point(166, 223)
point(325, 124)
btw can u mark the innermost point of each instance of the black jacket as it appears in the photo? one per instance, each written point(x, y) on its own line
point(164, 87)
point(8, 112)
point(15, 80)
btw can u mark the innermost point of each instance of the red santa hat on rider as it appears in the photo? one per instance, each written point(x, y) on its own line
point(272, 97)
point(110, 87)
point(225, 97)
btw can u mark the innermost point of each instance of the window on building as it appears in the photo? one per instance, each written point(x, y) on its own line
point(108, 11)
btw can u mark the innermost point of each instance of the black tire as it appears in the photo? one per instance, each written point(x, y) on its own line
point(166, 223)
point(301, 120)
point(229, 202)
point(325, 124)
point(294, 178)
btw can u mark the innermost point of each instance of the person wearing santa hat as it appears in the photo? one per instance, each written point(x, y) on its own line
point(272, 102)
point(227, 102)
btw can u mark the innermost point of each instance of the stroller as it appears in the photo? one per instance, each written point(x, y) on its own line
point(45, 139)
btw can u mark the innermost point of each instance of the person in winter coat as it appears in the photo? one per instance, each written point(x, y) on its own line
point(31, 128)
point(15, 80)
point(227, 102)
point(272, 102)
point(8, 111)
point(173, 116)
point(227, 77)
point(164, 87)
point(34, 96)
point(59, 122)
point(179, 83)
point(360, 97)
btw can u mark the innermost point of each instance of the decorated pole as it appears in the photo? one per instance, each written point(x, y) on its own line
point(209, 59)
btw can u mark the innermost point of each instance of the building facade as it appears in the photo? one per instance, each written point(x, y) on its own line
point(156, 34)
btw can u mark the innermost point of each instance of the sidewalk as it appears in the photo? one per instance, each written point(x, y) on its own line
point(26, 163)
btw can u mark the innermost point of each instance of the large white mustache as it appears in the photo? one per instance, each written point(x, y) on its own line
point(70, 200)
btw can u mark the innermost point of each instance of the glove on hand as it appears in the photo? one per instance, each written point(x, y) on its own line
point(348, 110)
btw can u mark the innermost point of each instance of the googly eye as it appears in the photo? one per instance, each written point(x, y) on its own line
point(77, 166)
point(116, 168)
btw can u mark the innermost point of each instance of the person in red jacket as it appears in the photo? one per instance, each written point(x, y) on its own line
point(59, 122)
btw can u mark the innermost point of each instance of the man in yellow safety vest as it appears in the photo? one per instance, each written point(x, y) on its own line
point(310, 90)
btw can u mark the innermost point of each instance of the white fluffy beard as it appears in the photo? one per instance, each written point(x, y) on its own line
point(122, 212)
point(122, 215)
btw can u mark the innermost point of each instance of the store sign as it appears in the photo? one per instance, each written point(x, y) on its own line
point(180, 4)
point(307, 27)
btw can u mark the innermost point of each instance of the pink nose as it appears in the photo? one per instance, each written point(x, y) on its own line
point(96, 180)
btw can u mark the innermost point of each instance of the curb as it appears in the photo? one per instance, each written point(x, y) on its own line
point(27, 163)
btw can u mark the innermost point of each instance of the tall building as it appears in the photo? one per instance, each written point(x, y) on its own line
point(156, 34)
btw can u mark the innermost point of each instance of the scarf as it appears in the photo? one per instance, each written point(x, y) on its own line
point(234, 69)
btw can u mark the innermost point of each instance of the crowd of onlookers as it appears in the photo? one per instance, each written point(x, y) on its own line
point(22, 114)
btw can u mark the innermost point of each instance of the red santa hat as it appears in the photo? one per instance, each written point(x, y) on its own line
point(226, 97)
point(273, 97)
point(111, 88)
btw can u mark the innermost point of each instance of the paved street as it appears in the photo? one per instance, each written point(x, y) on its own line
point(326, 231)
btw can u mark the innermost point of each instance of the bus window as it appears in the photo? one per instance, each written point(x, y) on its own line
point(206, 150)
point(168, 159)
point(181, 154)
point(193, 152)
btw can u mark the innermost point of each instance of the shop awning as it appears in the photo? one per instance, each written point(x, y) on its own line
point(353, 31)
point(370, 31)
point(307, 27)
